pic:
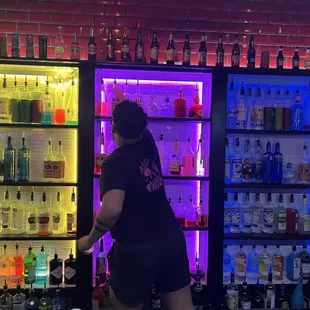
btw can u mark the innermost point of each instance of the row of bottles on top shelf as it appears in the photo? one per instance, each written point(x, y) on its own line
point(252, 164)
point(32, 268)
point(178, 108)
point(256, 265)
point(267, 296)
point(271, 110)
point(186, 163)
point(35, 104)
point(19, 217)
point(266, 217)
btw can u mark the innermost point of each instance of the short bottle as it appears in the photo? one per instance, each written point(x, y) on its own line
point(58, 302)
point(280, 58)
point(19, 299)
point(251, 53)
point(295, 60)
point(235, 53)
point(45, 302)
point(70, 270)
point(32, 303)
point(6, 300)
point(55, 265)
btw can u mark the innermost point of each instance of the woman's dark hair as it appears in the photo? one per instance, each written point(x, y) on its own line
point(129, 119)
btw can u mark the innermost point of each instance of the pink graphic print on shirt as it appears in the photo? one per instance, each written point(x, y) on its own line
point(152, 175)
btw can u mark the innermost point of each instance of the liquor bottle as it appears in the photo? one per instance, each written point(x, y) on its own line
point(97, 296)
point(23, 156)
point(60, 111)
point(191, 214)
point(57, 214)
point(220, 53)
point(152, 109)
point(258, 301)
point(265, 263)
point(202, 215)
point(258, 214)
point(188, 160)
point(30, 267)
point(280, 217)
point(251, 117)
point(257, 168)
point(25, 112)
point(306, 120)
point(226, 265)
point(282, 299)
point(304, 167)
point(175, 162)
point(154, 49)
point(17, 267)
point(298, 300)
point(138, 97)
point(235, 54)
point(48, 161)
point(6, 214)
point(92, 46)
point(232, 293)
point(305, 262)
point(47, 111)
point(241, 110)
point(287, 111)
point(110, 48)
point(125, 51)
point(277, 174)
point(304, 216)
point(55, 265)
point(102, 106)
point(37, 103)
point(44, 217)
point(19, 299)
point(231, 120)
point(297, 113)
point(269, 216)
point(179, 211)
point(269, 113)
point(246, 215)
point(186, 51)
point(6, 300)
point(307, 59)
point(45, 302)
point(235, 215)
point(59, 44)
point(252, 270)
point(170, 51)
point(72, 104)
point(155, 301)
point(32, 216)
point(139, 49)
point(163, 155)
point(101, 264)
point(70, 270)
point(278, 104)
point(202, 52)
point(293, 265)
point(9, 162)
point(227, 215)
point(75, 48)
point(247, 163)
point(71, 215)
point(295, 60)
point(126, 94)
point(241, 264)
point(41, 267)
point(197, 109)
point(14, 102)
point(58, 302)
point(259, 111)
point(268, 164)
point(5, 112)
point(278, 264)
point(237, 164)
point(280, 59)
point(42, 47)
point(180, 105)
point(15, 45)
point(251, 53)
point(5, 266)
point(100, 156)
point(59, 165)
point(228, 162)
point(270, 293)
point(18, 215)
point(292, 217)
point(244, 296)
point(166, 109)
point(32, 303)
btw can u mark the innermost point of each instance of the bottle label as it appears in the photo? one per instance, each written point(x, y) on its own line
point(32, 221)
point(237, 168)
point(70, 221)
point(232, 299)
point(202, 58)
point(235, 217)
point(297, 265)
point(248, 218)
point(59, 169)
point(4, 108)
point(305, 268)
point(246, 304)
point(227, 217)
point(57, 272)
point(59, 50)
point(31, 273)
point(92, 49)
point(306, 222)
point(304, 172)
point(187, 56)
point(235, 60)
point(227, 168)
point(43, 220)
point(47, 169)
point(5, 218)
point(241, 113)
point(99, 158)
point(174, 166)
point(170, 54)
point(69, 272)
point(110, 51)
point(268, 217)
point(282, 221)
point(139, 53)
point(154, 53)
point(247, 169)
point(75, 51)
point(56, 220)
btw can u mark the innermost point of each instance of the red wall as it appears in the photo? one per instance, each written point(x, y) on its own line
point(274, 22)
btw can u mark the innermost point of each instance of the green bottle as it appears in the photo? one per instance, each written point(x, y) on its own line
point(9, 162)
point(30, 262)
point(45, 302)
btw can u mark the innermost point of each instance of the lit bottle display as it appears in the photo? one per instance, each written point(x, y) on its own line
point(70, 270)
point(101, 107)
point(17, 267)
point(23, 157)
point(180, 105)
point(57, 214)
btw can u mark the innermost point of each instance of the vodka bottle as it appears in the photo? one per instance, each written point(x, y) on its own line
point(246, 215)
point(247, 163)
point(18, 215)
point(304, 216)
point(9, 162)
point(227, 215)
point(241, 264)
point(253, 265)
point(242, 110)
point(267, 164)
point(235, 215)
point(257, 216)
point(278, 264)
point(293, 265)
point(265, 264)
point(237, 164)
point(277, 173)
point(280, 217)
point(269, 210)
point(232, 107)
point(23, 158)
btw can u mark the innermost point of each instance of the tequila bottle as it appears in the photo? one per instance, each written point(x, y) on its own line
point(202, 215)
point(293, 265)
point(241, 264)
point(48, 108)
point(280, 217)
point(188, 160)
point(44, 217)
point(237, 164)
point(304, 216)
point(242, 110)
point(227, 265)
point(268, 164)
point(191, 214)
point(197, 109)
point(175, 162)
point(264, 264)
point(138, 97)
point(304, 167)
point(23, 156)
point(59, 165)
point(269, 216)
point(32, 216)
point(72, 106)
point(289, 175)
point(5, 112)
point(55, 270)
point(278, 264)
point(41, 270)
point(305, 262)
point(71, 215)
point(297, 113)
point(102, 106)
point(246, 215)
point(70, 270)
point(252, 270)
point(235, 215)
point(6, 214)
point(247, 163)
point(32, 303)
point(18, 215)
point(258, 212)
point(9, 162)
point(45, 302)
point(58, 226)
point(292, 216)
point(5, 267)
point(232, 107)
point(19, 299)
point(163, 155)
point(179, 211)
point(166, 109)
point(6, 300)
point(180, 105)
point(30, 267)
point(48, 161)
point(17, 267)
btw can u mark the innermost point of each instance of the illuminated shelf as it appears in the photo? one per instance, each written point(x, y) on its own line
point(165, 119)
point(178, 177)
point(260, 185)
point(47, 184)
point(30, 125)
point(35, 62)
point(36, 237)
point(268, 132)
point(195, 228)
point(266, 237)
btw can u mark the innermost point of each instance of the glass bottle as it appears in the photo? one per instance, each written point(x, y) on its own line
point(125, 50)
point(297, 113)
point(166, 109)
point(251, 53)
point(241, 264)
point(58, 226)
point(188, 160)
point(71, 215)
point(232, 293)
point(278, 104)
point(244, 296)
point(228, 162)
point(292, 217)
point(48, 161)
point(60, 111)
point(180, 105)
point(258, 214)
point(126, 94)
point(304, 166)
point(287, 111)
point(268, 164)
point(5, 266)
point(6, 300)
point(75, 48)
point(295, 60)
point(220, 53)
point(92, 46)
point(72, 106)
point(269, 113)
point(235, 215)
point(197, 109)
point(9, 162)
point(45, 302)
point(280, 59)
point(226, 266)
point(97, 297)
point(282, 299)
point(270, 293)
point(251, 117)
point(232, 107)
point(37, 103)
point(59, 44)
point(101, 108)
point(18, 215)
point(59, 165)
point(305, 263)
point(14, 102)
point(6, 214)
point(259, 110)
point(237, 163)
point(175, 161)
point(202, 52)
point(32, 303)
point(30, 267)
point(152, 109)
point(235, 53)
point(253, 262)
point(70, 270)
point(307, 58)
point(191, 214)
point(139, 49)
point(227, 215)
point(241, 110)
point(19, 299)
point(110, 48)
point(293, 265)
point(41, 268)
point(264, 264)
point(44, 216)
point(304, 216)
point(25, 106)
point(23, 156)
point(247, 163)
point(170, 51)
point(257, 169)
point(55, 267)
point(289, 175)
point(17, 267)
point(202, 215)
point(278, 264)
point(5, 111)
point(154, 49)
point(48, 108)
point(298, 300)
point(269, 216)
point(258, 301)
point(186, 51)
point(179, 211)
point(280, 217)
point(163, 155)
point(138, 97)
point(246, 215)
point(101, 263)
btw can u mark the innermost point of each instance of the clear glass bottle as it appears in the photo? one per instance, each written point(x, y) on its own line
point(71, 215)
point(241, 110)
point(226, 266)
point(269, 216)
point(44, 216)
point(48, 107)
point(264, 264)
point(278, 264)
point(30, 267)
point(166, 109)
point(237, 163)
point(297, 113)
point(289, 175)
point(232, 107)
point(253, 262)
point(175, 161)
point(241, 264)
point(304, 166)
point(152, 109)
point(48, 162)
point(59, 165)
point(58, 226)
point(5, 111)
point(304, 216)
point(202, 215)
point(293, 265)
point(188, 160)
point(235, 215)
point(32, 216)
point(246, 215)
point(258, 214)
point(23, 161)
point(41, 267)
point(247, 162)
point(268, 164)
point(163, 155)
point(72, 106)
point(191, 214)
point(138, 97)
point(257, 169)
point(18, 215)
point(59, 44)
point(280, 216)
point(9, 162)
point(227, 215)
point(6, 214)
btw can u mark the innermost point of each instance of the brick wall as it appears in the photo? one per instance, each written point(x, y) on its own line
point(274, 23)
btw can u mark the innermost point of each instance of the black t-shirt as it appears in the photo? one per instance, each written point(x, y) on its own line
point(135, 168)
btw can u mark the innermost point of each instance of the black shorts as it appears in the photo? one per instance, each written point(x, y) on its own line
point(134, 269)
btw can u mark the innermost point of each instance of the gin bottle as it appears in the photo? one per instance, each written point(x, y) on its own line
point(277, 173)
point(237, 164)
point(58, 226)
point(292, 217)
point(23, 156)
point(247, 163)
point(297, 113)
point(228, 162)
point(227, 265)
point(265, 264)
point(6, 214)
point(138, 97)
point(9, 162)
point(55, 265)
point(293, 265)
point(280, 217)
point(5, 112)
point(41, 267)
point(257, 168)
point(269, 216)
point(227, 215)
point(235, 215)
point(18, 215)
point(241, 264)
point(278, 264)
point(257, 216)
point(242, 110)
point(304, 216)
point(232, 107)
point(305, 262)
point(259, 111)
point(232, 293)
point(268, 164)
point(289, 175)
point(252, 270)
point(304, 167)
point(246, 215)
point(30, 267)
point(70, 269)
point(166, 109)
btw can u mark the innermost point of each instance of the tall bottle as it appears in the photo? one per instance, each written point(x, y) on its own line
point(188, 160)
point(41, 268)
point(258, 300)
point(235, 53)
point(48, 161)
point(269, 216)
point(251, 53)
point(59, 44)
point(92, 46)
point(220, 53)
point(55, 265)
point(25, 112)
point(277, 165)
point(247, 163)
point(5, 266)
point(186, 51)
point(72, 106)
point(232, 293)
point(5, 112)
point(295, 60)
point(48, 108)
point(268, 164)
point(163, 155)
point(18, 215)
point(304, 216)
point(259, 110)
point(101, 263)
point(45, 302)
point(125, 50)
point(231, 119)
point(71, 215)
point(60, 111)
point(293, 265)
point(197, 109)
point(23, 156)
point(280, 216)
point(228, 162)
point(265, 264)
point(235, 215)
point(305, 262)
point(278, 264)
point(306, 114)
point(59, 165)
point(258, 214)
point(102, 106)
point(44, 216)
point(202, 52)
point(139, 49)
point(37, 103)
point(298, 300)
point(30, 267)
point(179, 211)
point(257, 169)
point(241, 264)
point(226, 266)
point(297, 113)
point(175, 161)
point(32, 303)
point(13, 103)
point(70, 270)
point(237, 163)
point(110, 48)
point(170, 51)
point(270, 293)
point(304, 167)
point(246, 215)
point(292, 217)
point(241, 110)
point(280, 58)
point(244, 296)
point(154, 49)
point(17, 267)
point(279, 110)
point(57, 214)
point(19, 299)
point(75, 51)
point(138, 97)
point(6, 214)
point(252, 270)
point(269, 113)
point(180, 105)
point(227, 215)
point(9, 162)
point(191, 214)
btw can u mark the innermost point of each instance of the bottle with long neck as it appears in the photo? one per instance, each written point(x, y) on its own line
point(186, 51)
point(60, 111)
point(9, 162)
point(189, 160)
point(110, 47)
point(125, 50)
point(292, 216)
point(251, 53)
point(5, 266)
point(139, 49)
point(278, 264)
point(304, 166)
point(232, 293)
point(170, 51)
point(75, 53)
point(175, 162)
point(48, 161)
point(197, 109)
point(295, 60)
point(242, 110)
point(71, 215)
point(235, 215)
point(48, 108)
point(270, 293)
point(17, 267)
point(23, 158)
point(297, 113)
point(235, 54)
point(298, 300)
point(154, 49)
point(15, 102)
point(280, 216)
point(92, 46)
point(220, 53)
point(163, 155)
point(58, 226)
point(102, 106)
point(304, 216)
point(101, 263)
point(268, 164)
point(30, 267)
point(72, 106)
point(6, 214)
point(293, 264)
point(59, 165)
point(44, 217)
point(18, 217)
point(202, 53)
point(277, 174)
point(180, 105)
point(25, 111)
point(237, 163)
point(70, 270)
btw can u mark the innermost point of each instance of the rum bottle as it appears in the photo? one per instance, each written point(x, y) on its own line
point(186, 51)
point(175, 162)
point(6, 214)
point(92, 46)
point(55, 266)
point(72, 106)
point(41, 267)
point(101, 263)
point(75, 49)
point(180, 211)
point(17, 267)
point(280, 59)
point(235, 54)
point(48, 109)
point(202, 52)
point(18, 215)
point(139, 49)
point(220, 53)
point(241, 263)
point(5, 110)
point(110, 48)
point(30, 267)
point(58, 219)
point(19, 299)
point(125, 51)
point(251, 53)
point(307, 59)
point(59, 165)
point(71, 215)
point(59, 44)
point(202, 215)
point(70, 270)
point(180, 105)
point(197, 109)
point(154, 49)
point(191, 214)
point(278, 264)
point(170, 51)
point(9, 163)
point(102, 106)
point(296, 60)
point(44, 217)
point(23, 156)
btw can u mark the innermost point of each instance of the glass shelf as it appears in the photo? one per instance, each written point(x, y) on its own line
point(178, 177)
point(36, 237)
point(47, 184)
point(30, 125)
point(268, 132)
point(165, 119)
point(266, 237)
point(271, 186)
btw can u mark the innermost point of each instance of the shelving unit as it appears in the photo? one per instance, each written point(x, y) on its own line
point(267, 186)
point(268, 132)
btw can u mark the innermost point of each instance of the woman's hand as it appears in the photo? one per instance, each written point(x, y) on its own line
point(117, 91)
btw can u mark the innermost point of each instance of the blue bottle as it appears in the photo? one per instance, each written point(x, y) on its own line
point(293, 265)
point(277, 165)
point(298, 300)
point(232, 107)
point(227, 265)
point(252, 268)
point(23, 156)
point(297, 113)
point(267, 164)
point(58, 302)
